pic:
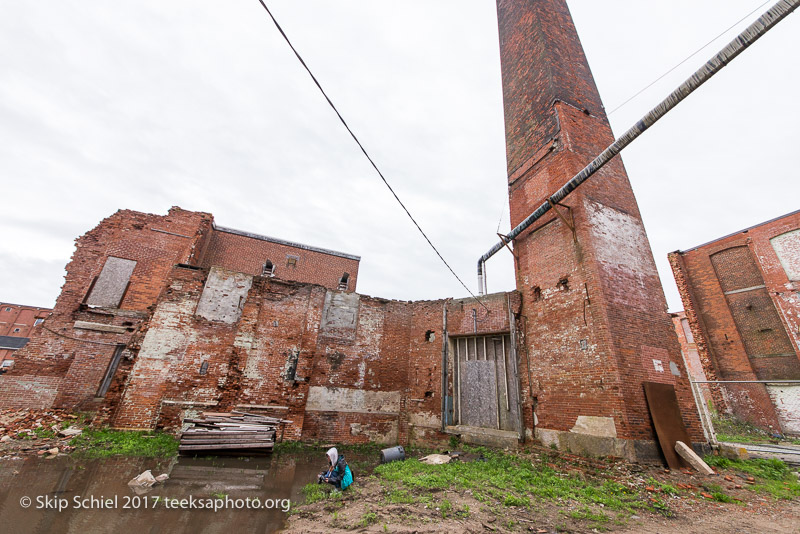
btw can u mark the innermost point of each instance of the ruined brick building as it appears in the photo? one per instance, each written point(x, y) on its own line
point(742, 298)
point(16, 326)
point(161, 316)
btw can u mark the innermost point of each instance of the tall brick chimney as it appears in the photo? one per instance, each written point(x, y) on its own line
point(595, 319)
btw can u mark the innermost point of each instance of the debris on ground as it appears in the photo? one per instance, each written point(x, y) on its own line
point(435, 459)
point(35, 430)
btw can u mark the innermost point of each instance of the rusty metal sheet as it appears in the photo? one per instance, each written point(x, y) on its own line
point(666, 415)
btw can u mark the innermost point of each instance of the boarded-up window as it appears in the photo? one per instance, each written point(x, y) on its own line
point(787, 247)
point(109, 288)
point(754, 313)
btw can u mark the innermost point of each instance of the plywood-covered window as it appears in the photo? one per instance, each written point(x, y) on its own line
point(110, 286)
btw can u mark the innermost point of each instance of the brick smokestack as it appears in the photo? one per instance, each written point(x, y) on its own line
point(594, 315)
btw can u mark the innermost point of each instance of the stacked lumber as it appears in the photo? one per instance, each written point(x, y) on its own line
point(230, 433)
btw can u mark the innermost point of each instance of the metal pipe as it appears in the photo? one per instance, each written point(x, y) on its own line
point(751, 34)
point(505, 375)
point(745, 381)
point(458, 379)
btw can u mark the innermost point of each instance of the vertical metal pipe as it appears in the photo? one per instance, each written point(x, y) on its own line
point(458, 379)
point(505, 375)
point(445, 378)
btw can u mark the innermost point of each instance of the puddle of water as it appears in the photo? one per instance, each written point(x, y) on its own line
point(59, 492)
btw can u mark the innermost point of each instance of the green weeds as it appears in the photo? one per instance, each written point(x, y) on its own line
point(775, 476)
point(106, 442)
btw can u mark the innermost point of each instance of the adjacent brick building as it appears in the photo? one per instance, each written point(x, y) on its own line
point(164, 316)
point(742, 298)
point(17, 324)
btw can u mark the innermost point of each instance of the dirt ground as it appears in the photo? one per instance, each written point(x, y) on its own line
point(364, 508)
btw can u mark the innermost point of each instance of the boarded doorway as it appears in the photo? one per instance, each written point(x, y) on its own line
point(485, 383)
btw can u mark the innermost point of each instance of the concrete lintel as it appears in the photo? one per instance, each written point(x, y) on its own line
point(100, 327)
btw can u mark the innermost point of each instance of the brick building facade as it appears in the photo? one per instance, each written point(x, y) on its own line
point(161, 317)
point(742, 298)
point(17, 324)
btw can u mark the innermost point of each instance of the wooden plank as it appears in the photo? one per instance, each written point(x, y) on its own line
point(226, 442)
point(229, 435)
point(214, 447)
point(666, 415)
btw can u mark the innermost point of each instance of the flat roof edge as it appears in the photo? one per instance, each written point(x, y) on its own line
point(286, 243)
point(739, 231)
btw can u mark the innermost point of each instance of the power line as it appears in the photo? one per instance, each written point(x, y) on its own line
point(374, 166)
point(687, 58)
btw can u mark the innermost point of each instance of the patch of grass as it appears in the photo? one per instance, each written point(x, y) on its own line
point(509, 480)
point(367, 518)
point(660, 507)
point(445, 507)
point(777, 478)
point(514, 500)
point(314, 493)
point(106, 442)
point(758, 467)
point(400, 497)
point(666, 489)
point(455, 441)
point(44, 433)
point(730, 428)
point(586, 513)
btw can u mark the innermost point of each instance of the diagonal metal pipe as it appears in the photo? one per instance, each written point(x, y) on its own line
point(751, 34)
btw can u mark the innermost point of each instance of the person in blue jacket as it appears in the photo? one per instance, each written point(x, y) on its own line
point(338, 473)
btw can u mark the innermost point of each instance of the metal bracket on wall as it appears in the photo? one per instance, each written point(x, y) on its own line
point(571, 223)
point(506, 241)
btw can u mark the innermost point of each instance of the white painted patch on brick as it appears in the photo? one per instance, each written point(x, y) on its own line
point(166, 336)
point(787, 248)
point(325, 399)
point(787, 405)
point(426, 420)
point(224, 295)
point(621, 247)
point(595, 426)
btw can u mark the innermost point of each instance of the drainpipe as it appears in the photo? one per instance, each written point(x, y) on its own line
point(751, 34)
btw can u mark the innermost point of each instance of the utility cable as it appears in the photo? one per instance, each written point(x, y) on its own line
point(651, 84)
point(374, 166)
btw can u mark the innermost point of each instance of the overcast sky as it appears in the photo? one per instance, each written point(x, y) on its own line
point(149, 104)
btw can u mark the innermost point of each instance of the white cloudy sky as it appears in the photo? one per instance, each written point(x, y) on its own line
point(149, 104)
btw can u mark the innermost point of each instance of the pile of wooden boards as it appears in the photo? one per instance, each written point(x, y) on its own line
point(231, 433)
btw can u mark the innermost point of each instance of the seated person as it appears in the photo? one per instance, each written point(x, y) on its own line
point(337, 472)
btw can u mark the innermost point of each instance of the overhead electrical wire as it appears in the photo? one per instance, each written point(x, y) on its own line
point(687, 58)
point(374, 166)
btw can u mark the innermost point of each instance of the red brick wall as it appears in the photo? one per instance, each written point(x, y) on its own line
point(746, 334)
point(248, 255)
point(594, 315)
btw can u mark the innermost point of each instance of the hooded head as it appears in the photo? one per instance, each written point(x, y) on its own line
point(333, 455)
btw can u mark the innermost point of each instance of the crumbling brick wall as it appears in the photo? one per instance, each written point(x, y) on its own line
point(741, 298)
point(65, 362)
point(341, 366)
